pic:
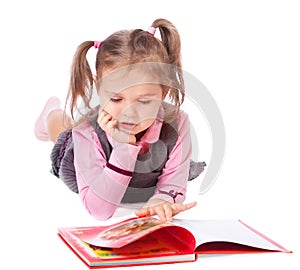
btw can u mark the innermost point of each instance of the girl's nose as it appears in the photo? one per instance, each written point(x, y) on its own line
point(130, 111)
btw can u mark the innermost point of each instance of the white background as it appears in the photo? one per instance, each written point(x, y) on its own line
point(245, 52)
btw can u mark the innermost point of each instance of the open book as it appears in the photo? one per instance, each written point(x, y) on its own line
point(137, 241)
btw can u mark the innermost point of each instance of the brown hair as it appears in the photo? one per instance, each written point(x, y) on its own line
point(124, 48)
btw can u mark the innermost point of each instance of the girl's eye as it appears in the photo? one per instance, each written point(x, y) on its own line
point(146, 101)
point(115, 99)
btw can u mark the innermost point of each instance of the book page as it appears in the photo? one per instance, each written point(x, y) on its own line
point(123, 233)
point(233, 231)
point(151, 250)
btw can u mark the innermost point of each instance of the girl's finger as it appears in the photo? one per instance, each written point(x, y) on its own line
point(104, 120)
point(161, 213)
point(190, 205)
point(168, 211)
point(178, 207)
point(100, 116)
point(111, 125)
point(182, 207)
point(142, 212)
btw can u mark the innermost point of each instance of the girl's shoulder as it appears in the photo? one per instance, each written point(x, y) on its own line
point(83, 126)
point(182, 116)
point(171, 113)
point(83, 129)
point(183, 121)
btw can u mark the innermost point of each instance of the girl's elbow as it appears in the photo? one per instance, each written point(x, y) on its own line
point(101, 212)
point(98, 209)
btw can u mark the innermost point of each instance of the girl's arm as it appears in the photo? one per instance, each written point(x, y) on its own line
point(172, 182)
point(101, 187)
point(171, 187)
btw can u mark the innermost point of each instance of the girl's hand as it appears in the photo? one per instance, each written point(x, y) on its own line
point(109, 125)
point(164, 210)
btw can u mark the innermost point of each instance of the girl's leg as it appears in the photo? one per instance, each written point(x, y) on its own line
point(52, 121)
point(57, 122)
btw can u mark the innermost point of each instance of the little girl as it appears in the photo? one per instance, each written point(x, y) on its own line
point(135, 146)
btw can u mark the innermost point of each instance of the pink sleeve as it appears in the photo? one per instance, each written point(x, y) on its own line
point(101, 188)
point(172, 182)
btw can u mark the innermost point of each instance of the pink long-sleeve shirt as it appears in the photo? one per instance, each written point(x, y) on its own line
point(101, 189)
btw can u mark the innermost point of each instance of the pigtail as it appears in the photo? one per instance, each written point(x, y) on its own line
point(170, 38)
point(81, 81)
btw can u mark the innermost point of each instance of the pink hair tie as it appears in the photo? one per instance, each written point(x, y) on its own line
point(151, 30)
point(97, 44)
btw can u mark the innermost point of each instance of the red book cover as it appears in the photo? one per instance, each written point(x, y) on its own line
point(138, 241)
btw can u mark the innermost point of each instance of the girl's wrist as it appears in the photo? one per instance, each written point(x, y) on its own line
point(154, 203)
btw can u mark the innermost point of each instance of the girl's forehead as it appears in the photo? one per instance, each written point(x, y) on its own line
point(139, 90)
point(145, 74)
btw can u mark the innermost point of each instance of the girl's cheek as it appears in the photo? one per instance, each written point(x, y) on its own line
point(150, 111)
point(113, 110)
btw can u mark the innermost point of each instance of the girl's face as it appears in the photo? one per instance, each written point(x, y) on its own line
point(134, 108)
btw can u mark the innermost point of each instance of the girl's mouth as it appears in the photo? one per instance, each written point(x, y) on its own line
point(127, 126)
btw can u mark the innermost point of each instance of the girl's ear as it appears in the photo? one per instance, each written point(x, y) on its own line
point(165, 92)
